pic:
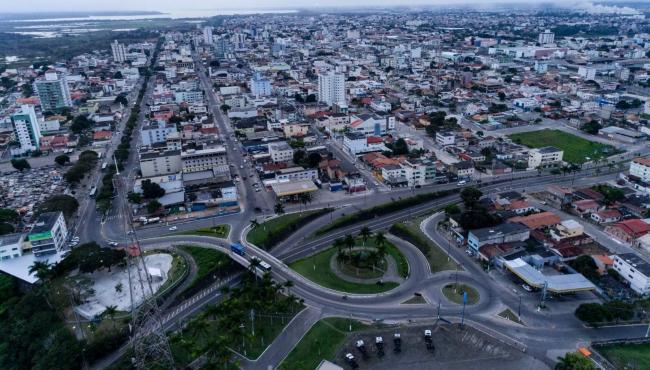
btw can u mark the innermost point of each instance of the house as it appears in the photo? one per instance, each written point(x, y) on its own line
point(504, 233)
point(281, 152)
point(567, 229)
point(372, 124)
point(634, 270)
point(463, 169)
point(357, 143)
point(628, 230)
point(538, 220)
point(585, 206)
point(606, 216)
point(11, 246)
point(603, 262)
point(444, 138)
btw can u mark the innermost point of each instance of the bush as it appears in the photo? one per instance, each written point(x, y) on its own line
point(401, 231)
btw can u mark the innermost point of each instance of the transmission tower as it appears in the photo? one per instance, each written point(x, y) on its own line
point(149, 343)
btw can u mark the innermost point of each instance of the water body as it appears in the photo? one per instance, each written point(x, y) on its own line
point(173, 14)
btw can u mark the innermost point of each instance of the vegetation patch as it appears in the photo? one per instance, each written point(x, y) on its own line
point(266, 235)
point(576, 149)
point(416, 299)
point(322, 341)
point(382, 209)
point(410, 231)
point(627, 356)
point(211, 265)
point(218, 231)
point(510, 316)
point(455, 292)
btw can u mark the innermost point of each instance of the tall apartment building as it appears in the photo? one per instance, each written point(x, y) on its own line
point(27, 129)
point(49, 234)
point(640, 167)
point(260, 86)
point(331, 88)
point(119, 52)
point(53, 91)
point(207, 35)
point(546, 37)
point(156, 133)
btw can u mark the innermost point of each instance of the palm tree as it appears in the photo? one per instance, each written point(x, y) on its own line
point(279, 208)
point(339, 243)
point(349, 242)
point(41, 269)
point(365, 234)
point(252, 267)
point(380, 239)
point(304, 198)
point(288, 284)
point(111, 311)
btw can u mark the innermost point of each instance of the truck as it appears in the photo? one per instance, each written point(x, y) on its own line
point(151, 220)
point(238, 248)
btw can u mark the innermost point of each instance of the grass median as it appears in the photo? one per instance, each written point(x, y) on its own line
point(454, 293)
point(218, 231)
point(436, 256)
point(627, 356)
point(267, 234)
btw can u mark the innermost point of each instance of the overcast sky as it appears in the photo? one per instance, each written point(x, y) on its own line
point(168, 5)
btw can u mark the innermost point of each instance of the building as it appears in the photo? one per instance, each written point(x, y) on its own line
point(505, 233)
point(53, 91)
point(372, 124)
point(444, 138)
point(156, 133)
point(628, 230)
point(546, 37)
point(280, 152)
point(548, 156)
point(640, 168)
point(357, 143)
point(296, 173)
point(11, 246)
point(331, 88)
point(567, 229)
point(204, 159)
point(49, 234)
point(634, 270)
point(588, 73)
point(207, 35)
point(260, 86)
point(26, 129)
point(119, 52)
point(190, 96)
point(154, 163)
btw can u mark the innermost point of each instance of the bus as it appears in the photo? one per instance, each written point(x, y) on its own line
point(93, 192)
point(265, 266)
point(238, 249)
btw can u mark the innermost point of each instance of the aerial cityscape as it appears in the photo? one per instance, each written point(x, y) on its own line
point(280, 185)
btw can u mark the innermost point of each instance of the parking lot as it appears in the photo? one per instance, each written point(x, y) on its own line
point(453, 348)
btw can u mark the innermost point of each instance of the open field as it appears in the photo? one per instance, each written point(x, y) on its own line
point(575, 148)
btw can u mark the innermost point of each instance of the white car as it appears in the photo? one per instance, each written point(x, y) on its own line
point(173, 228)
point(527, 287)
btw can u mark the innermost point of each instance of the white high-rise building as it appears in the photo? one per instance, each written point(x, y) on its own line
point(260, 86)
point(53, 91)
point(546, 37)
point(119, 52)
point(331, 88)
point(26, 128)
point(207, 35)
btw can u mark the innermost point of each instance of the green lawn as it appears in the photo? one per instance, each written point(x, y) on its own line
point(410, 231)
point(323, 275)
point(631, 356)
point(454, 293)
point(208, 262)
point(575, 148)
point(218, 231)
point(322, 341)
point(269, 233)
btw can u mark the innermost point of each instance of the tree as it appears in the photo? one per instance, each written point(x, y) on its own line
point(593, 313)
point(80, 124)
point(298, 156)
point(118, 75)
point(591, 127)
point(380, 239)
point(279, 208)
point(9, 215)
point(574, 361)
point(111, 311)
point(6, 228)
point(400, 147)
point(339, 243)
point(586, 266)
point(20, 164)
point(152, 190)
point(313, 160)
point(153, 206)
point(224, 108)
point(64, 203)
point(349, 242)
point(62, 159)
point(134, 197)
point(502, 95)
point(365, 234)
point(41, 269)
point(470, 196)
point(119, 287)
point(121, 99)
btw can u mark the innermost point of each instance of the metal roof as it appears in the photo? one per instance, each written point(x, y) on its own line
point(554, 283)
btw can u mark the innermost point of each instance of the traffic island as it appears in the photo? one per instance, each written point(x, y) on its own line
point(454, 293)
point(359, 269)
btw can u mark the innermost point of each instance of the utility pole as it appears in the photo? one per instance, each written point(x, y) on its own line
point(519, 309)
point(462, 317)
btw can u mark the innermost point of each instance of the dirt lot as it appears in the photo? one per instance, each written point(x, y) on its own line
point(455, 349)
